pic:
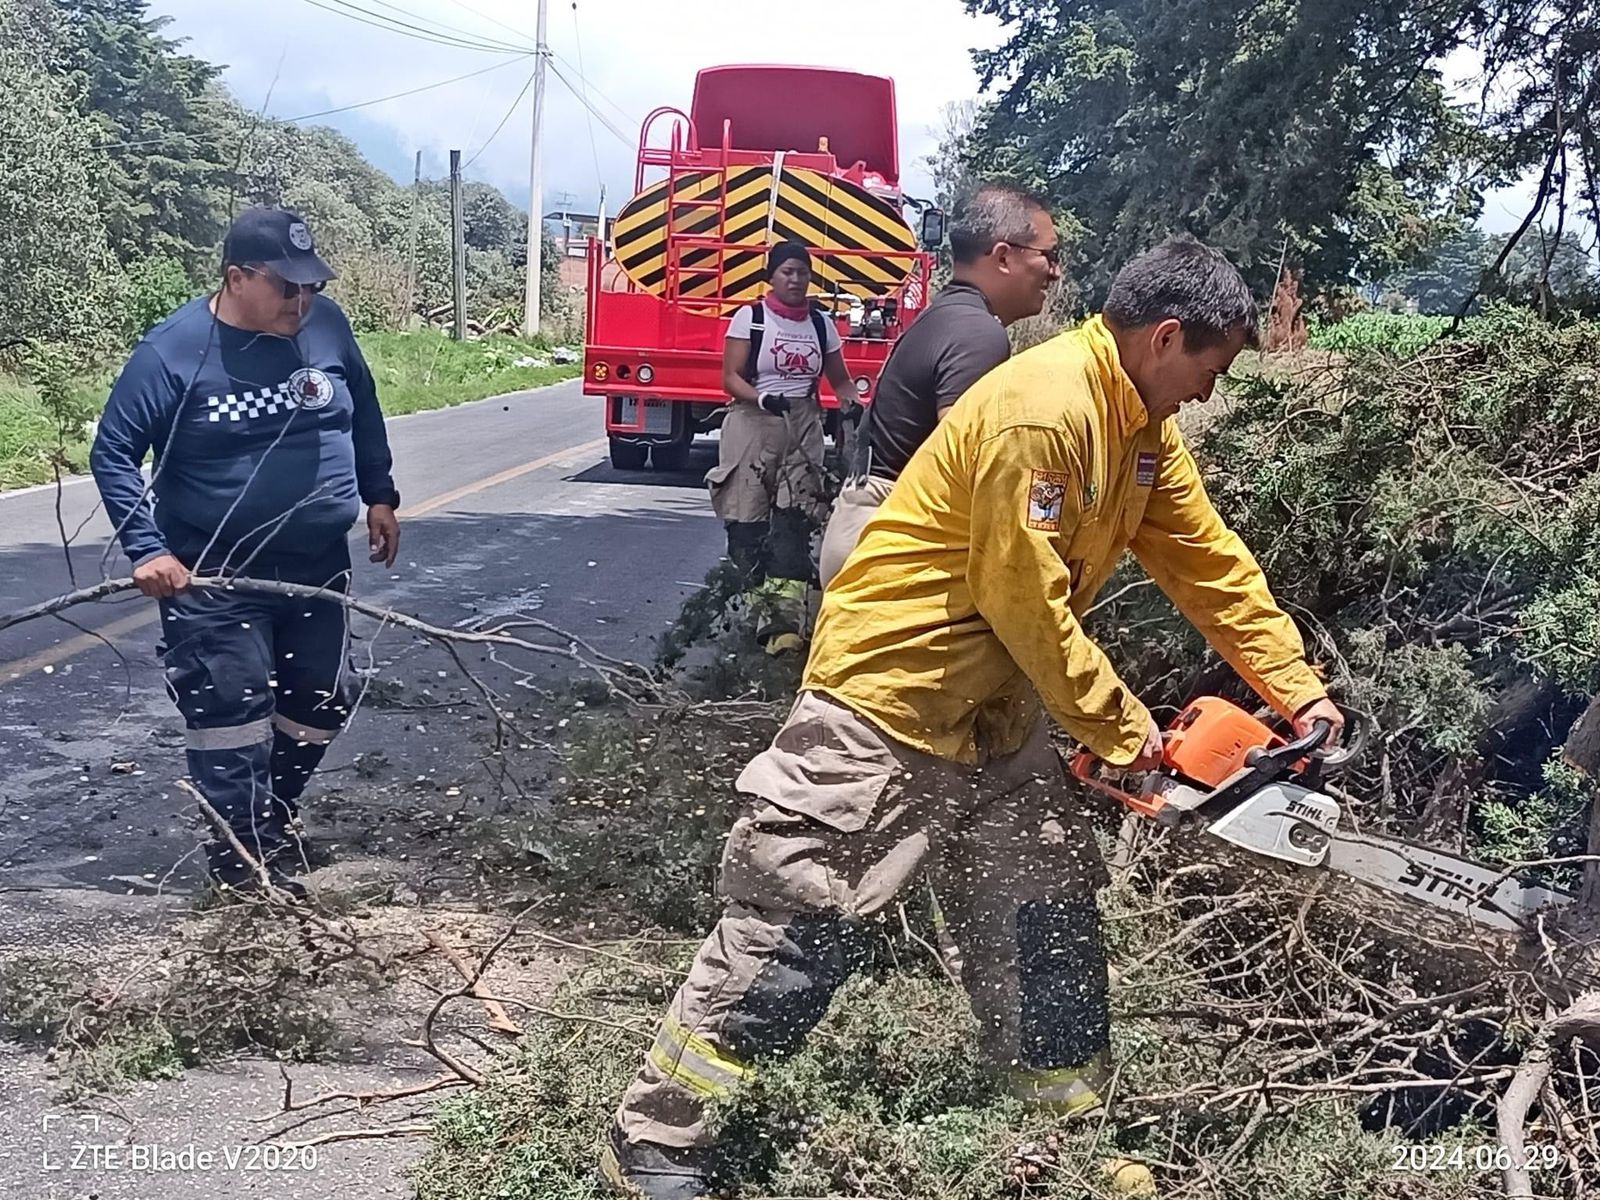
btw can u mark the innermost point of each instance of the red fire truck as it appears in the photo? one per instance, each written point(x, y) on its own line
point(766, 153)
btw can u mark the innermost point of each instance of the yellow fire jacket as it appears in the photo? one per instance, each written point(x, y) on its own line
point(960, 606)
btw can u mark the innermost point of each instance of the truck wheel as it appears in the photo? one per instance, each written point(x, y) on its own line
point(672, 457)
point(628, 456)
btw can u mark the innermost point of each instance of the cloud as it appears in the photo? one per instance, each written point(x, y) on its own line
point(635, 54)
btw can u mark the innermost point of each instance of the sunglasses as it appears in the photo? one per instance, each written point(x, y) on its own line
point(1051, 256)
point(290, 290)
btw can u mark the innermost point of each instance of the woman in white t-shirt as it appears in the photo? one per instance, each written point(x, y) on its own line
point(768, 484)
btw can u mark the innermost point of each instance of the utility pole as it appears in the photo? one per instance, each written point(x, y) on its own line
point(602, 219)
point(458, 249)
point(530, 317)
point(411, 249)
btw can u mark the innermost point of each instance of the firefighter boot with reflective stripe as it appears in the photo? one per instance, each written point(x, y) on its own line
point(779, 607)
point(643, 1171)
point(1068, 1091)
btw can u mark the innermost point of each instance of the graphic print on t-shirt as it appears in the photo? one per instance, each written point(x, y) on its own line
point(795, 359)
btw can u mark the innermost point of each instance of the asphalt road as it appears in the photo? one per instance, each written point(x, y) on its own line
point(509, 505)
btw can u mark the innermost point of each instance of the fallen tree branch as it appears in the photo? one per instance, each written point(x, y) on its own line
point(360, 1099)
point(274, 895)
point(360, 1135)
point(222, 829)
point(622, 678)
point(499, 1019)
point(1580, 1019)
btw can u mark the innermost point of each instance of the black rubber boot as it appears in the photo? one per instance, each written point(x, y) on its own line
point(747, 551)
point(789, 546)
point(644, 1171)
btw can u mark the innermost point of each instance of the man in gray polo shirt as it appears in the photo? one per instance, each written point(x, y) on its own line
point(1006, 257)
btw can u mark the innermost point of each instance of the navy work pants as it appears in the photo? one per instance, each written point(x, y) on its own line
point(263, 685)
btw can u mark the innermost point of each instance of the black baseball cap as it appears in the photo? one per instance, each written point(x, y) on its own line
point(278, 240)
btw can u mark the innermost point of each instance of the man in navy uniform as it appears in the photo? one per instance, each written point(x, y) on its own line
point(267, 438)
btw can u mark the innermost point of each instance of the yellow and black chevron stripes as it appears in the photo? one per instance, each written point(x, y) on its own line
point(809, 208)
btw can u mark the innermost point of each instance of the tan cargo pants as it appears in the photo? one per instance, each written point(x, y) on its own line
point(858, 501)
point(841, 820)
point(766, 461)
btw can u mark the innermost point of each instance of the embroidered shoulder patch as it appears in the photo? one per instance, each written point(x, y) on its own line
point(1147, 468)
point(1045, 495)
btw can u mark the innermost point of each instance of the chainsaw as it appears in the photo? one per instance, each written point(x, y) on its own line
point(1227, 771)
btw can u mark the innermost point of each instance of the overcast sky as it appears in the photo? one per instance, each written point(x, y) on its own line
point(635, 55)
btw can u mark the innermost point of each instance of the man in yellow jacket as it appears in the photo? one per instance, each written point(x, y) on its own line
point(918, 741)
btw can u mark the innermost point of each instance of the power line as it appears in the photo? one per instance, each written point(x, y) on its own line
point(367, 16)
point(327, 112)
point(391, 25)
point(521, 33)
point(617, 108)
point(427, 87)
point(453, 29)
point(500, 126)
point(588, 117)
point(599, 116)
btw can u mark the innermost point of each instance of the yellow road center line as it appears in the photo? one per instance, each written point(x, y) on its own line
point(19, 668)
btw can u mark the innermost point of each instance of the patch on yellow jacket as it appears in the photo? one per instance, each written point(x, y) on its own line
point(1045, 496)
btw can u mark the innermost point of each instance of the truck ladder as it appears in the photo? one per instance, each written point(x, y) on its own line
point(679, 211)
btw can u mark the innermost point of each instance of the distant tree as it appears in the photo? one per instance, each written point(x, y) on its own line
point(1569, 281)
point(155, 110)
point(58, 278)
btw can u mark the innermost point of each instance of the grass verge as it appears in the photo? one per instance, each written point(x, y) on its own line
point(415, 372)
point(427, 370)
point(28, 442)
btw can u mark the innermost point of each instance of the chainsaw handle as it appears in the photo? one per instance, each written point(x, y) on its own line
point(1357, 727)
point(1357, 733)
point(1085, 769)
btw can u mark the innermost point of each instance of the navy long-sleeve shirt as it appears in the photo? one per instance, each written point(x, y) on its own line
point(264, 445)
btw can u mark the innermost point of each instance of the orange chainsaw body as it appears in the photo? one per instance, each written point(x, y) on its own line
point(1206, 746)
point(1210, 739)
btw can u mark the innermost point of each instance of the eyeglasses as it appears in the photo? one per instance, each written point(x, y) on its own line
point(1051, 256)
point(290, 290)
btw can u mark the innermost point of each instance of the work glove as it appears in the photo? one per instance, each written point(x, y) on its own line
point(776, 405)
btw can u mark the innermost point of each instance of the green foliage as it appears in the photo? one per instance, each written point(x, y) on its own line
point(887, 1099)
point(639, 821)
point(157, 286)
point(32, 439)
point(242, 979)
point(1434, 522)
point(1546, 823)
point(155, 111)
point(1320, 133)
point(1394, 334)
point(122, 161)
point(534, 1131)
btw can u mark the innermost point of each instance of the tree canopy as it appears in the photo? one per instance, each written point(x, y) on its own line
point(124, 158)
point(1325, 135)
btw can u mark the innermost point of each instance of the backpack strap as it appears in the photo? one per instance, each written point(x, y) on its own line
point(758, 326)
point(819, 322)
